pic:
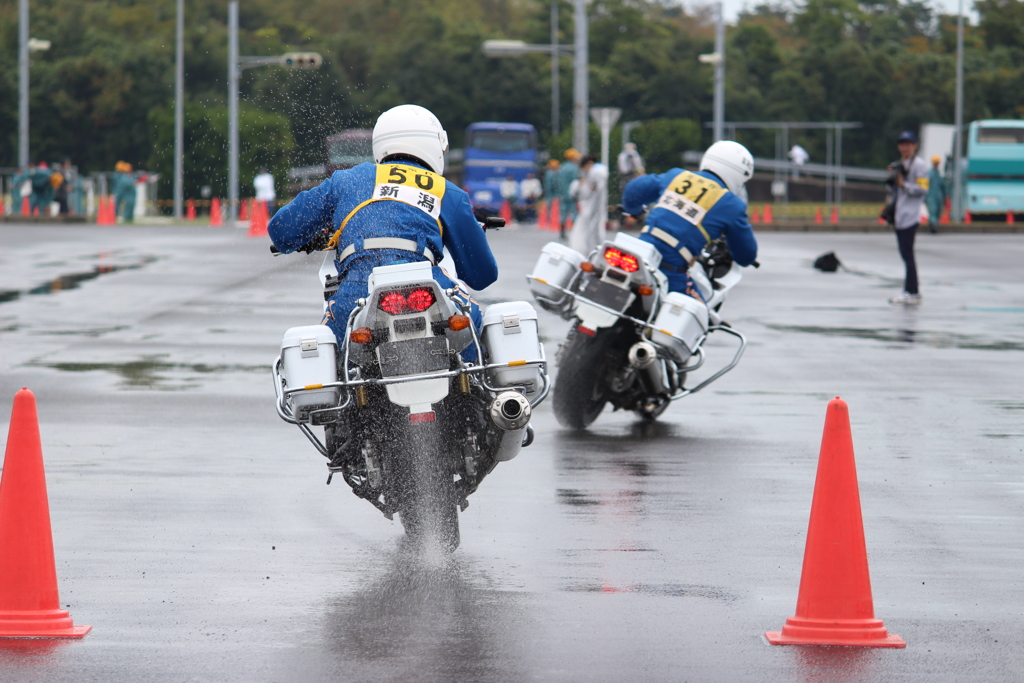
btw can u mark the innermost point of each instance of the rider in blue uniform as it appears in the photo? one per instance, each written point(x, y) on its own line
point(690, 210)
point(398, 210)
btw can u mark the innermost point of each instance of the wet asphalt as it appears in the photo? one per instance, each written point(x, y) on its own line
point(194, 532)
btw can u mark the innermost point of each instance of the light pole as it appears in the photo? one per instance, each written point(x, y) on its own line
point(515, 48)
point(555, 87)
point(580, 85)
point(958, 208)
point(179, 109)
point(717, 59)
point(236, 64)
point(26, 46)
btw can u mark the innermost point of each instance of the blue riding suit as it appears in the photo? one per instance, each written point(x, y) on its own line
point(400, 200)
point(689, 211)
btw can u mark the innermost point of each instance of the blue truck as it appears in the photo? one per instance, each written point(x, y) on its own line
point(493, 152)
point(995, 167)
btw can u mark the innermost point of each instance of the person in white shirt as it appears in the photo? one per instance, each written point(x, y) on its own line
point(530, 190)
point(264, 186)
point(592, 194)
point(799, 156)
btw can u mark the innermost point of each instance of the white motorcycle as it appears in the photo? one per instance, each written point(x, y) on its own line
point(410, 424)
point(633, 342)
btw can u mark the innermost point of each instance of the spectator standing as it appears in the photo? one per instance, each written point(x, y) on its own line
point(124, 191)
point(263, 183)
point(936, 198)
point(909, 182)
point(42, 189)
point(568, 173)
point(799, 156)
point(18, 189)
point(530, 190)
point(589, 229)
point(631, 165)
point(59, 180)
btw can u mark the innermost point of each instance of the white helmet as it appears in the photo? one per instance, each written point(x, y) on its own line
point(731, 162)
point(412, 130)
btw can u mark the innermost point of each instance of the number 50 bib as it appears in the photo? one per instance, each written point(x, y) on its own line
point(691, 196)
point(414, 186)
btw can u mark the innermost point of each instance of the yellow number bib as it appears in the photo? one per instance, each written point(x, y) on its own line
point(691, 196)
point(414, 186)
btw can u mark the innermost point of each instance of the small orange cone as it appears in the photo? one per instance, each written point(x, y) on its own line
point(555, 216)
point(258, 223)
point(190, 210)
point(834, 218)
point(102, 212)
point(1009, 217)
point(506, 212)
point(768, 218)
point(755, 217)
point(25, 210)
point(243, 210)
point(542, 215)
point(216, 220)
point(29, 602)
point(944, 218)
point(818, 218)
point(967, 217)
point(834, 605)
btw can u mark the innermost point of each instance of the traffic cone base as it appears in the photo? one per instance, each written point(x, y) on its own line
point(55, 623)
point(850, 632)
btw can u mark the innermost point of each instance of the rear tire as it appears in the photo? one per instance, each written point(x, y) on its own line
point(427, 505)
point(580, 392)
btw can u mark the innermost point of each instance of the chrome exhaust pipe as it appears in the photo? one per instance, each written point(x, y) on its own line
point(642, 354)
point(510, 411)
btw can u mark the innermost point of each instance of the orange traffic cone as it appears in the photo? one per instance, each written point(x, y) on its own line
point(967, 217)
point(258, 223)
point(768, 218)
point(506, 212)
point(834, 218)
point(101, 211)
point(755, 217)
point(243, 210)
point(190, 210)
point(216, 220)
point(817, 215)
point(834, 605)
point(555, 216)
point(542, 215)
point(29, 603)
point(25, 210)
point(1009, 217)
point(944, 218)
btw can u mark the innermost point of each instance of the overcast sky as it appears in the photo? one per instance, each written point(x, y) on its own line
point(734, 7)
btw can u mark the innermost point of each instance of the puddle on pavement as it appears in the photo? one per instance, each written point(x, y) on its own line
point(73, 280)
point(670, 590)
point(153, 373)
point(940, 340)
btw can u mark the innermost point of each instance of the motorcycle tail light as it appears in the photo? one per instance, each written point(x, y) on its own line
point(362, 335)
point(620, 259)
point(420, 299)
point(458, 322)
point(393, 303)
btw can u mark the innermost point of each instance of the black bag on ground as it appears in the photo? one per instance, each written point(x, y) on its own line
point(827, 263)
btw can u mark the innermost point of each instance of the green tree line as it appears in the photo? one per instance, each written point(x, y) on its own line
point(104, 91)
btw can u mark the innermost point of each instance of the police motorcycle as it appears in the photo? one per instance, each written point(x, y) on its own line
point(410, 424)
point(633, 342)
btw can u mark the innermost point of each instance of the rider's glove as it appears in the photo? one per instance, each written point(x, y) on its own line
point(318, 243)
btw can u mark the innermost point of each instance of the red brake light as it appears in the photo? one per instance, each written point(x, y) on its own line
point(619, 259)
point(421, 299)
point(393, 303)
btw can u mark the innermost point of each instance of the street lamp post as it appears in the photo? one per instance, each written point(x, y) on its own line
point(23, 83)
point(179, 110)
point(958, 199)
point(236, 64)
point(580, 85)
point(717, 59)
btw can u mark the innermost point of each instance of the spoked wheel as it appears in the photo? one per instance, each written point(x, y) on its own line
point(580, 391)
point(427, 498)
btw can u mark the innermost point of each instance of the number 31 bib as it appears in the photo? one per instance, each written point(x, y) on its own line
point(691, 196)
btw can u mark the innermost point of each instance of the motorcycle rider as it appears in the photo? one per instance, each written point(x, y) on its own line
point(694, 209)
point(397, 210)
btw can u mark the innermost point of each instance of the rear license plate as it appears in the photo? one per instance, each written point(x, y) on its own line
point(606, 294)
point(413, 356)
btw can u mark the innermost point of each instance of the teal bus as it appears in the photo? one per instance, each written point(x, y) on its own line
point(995, 167)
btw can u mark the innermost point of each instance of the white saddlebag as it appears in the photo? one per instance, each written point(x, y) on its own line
point(684, 317)
point(309, 356)
point(510, 334)
point(556, 266)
